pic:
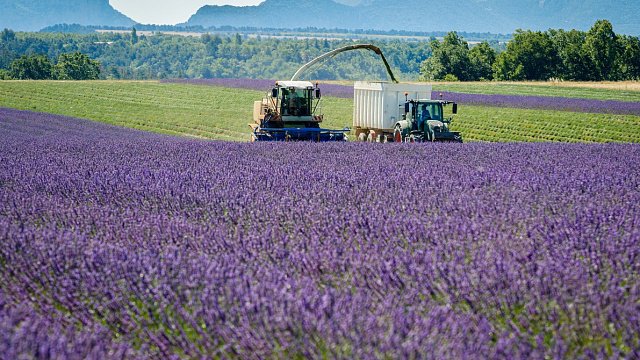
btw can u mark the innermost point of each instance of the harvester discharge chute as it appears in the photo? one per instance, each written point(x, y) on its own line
point(291, 111)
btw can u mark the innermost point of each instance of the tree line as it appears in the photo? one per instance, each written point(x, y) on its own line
point(596, 55)
point(133, 55)
point(75, 66)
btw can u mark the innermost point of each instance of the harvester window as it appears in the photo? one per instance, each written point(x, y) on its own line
point(295, 102)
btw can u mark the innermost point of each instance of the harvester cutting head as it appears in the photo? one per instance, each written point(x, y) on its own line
point(291, 111)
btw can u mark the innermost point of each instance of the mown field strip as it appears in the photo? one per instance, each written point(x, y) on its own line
point(631, 94)
point(221, 113)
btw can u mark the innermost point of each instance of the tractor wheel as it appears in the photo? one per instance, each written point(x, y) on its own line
point(397, 135)
point(370, 138)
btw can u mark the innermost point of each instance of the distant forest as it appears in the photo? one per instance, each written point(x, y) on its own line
point(306, 31)
point(133, 56)
point(598, 54)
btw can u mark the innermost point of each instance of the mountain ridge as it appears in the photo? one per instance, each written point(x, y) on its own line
point(480, 16)
point(33, 15)
point(496, 16)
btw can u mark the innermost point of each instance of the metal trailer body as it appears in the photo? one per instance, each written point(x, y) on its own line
point(378, 106)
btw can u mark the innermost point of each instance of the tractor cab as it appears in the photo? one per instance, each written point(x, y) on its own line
point(429, 111)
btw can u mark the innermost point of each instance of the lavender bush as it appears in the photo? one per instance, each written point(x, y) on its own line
point(544, 103)
point(510, 101)
point(130, 244)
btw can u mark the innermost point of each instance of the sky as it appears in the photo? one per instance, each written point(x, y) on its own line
point(168, 11)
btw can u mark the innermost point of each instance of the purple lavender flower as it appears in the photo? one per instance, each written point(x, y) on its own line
point(117, 243)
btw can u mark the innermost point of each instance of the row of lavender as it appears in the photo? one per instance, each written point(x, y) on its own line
point(510, 101)
point(120, 244)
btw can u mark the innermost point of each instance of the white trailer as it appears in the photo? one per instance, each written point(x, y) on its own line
point(378, 106)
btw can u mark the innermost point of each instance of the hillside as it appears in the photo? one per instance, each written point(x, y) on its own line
point(497, 16)
point(33, 15)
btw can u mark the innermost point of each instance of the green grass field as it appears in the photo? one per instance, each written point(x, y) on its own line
point(223, 113)
point(624, 91)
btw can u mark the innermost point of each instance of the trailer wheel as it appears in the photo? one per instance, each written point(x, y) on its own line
point(397, 135)
point(370, 138)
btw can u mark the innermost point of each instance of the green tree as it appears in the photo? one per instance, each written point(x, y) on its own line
point(451, 56)
point(531, 55)
point(134, 36)
point(7, 35)
point(77, 66)
point(31, 67)
point(482, 57)
point(601, 46)
point(575, 64)
point(4, 75)
point(629, 57)
point(211, 43)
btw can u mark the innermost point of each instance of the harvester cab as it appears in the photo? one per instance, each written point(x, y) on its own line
point(291, 112)
point(424, 120)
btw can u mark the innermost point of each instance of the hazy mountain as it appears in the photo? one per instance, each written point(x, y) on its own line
point(33, 15)
point(497, 16)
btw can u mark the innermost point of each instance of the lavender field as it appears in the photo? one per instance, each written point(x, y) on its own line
point(116, 243)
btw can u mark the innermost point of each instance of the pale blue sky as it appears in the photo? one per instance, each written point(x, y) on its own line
point(168, 11)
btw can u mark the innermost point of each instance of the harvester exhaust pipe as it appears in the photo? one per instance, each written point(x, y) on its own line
point(335, 52)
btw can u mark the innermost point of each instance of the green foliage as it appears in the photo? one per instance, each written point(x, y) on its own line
point(596, 55)
point(574, 62)
point(601, 46)
point(134, 36)
point(531, 55)
point(451, 78)
point(629, 59)
point(170, 56)
point(74, 66)
point(482, 57)
point(4, 75)
point(222, 113)
point(450, 57)
point(77, 66)
point(7, 35)
point(31, 67)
